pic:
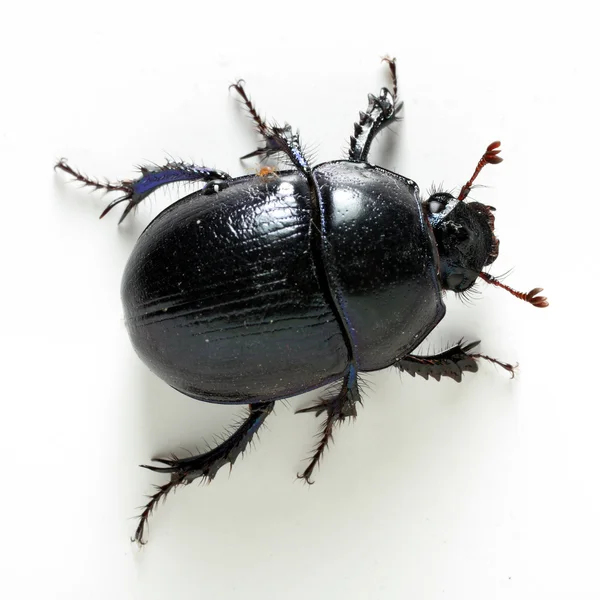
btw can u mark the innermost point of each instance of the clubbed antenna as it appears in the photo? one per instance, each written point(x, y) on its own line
point(531, 297)
point(489, 158)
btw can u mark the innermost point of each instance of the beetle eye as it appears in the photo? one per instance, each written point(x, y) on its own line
point(439, 202)
point(455, 281)
point(435, 206)
point(460, 280)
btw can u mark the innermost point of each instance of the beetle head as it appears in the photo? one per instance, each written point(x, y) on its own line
point(464, 233)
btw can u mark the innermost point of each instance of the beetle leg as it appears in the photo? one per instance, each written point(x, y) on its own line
point(451, 363)
point(277, 139)
point(382, 111)
point(260, 123)
point(282, 140)
point(185, 470)
point(339, 406)
point(265, 130)
point(152, 178)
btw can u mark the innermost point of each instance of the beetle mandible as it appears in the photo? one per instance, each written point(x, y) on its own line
point(258, 288)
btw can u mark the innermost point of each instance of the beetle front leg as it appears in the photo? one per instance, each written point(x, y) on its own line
point(185, 470)
point(382, 111)
point(338, 406)
point(451, 363)
point(152, 178)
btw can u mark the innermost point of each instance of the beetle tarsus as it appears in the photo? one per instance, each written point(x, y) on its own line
point(382, 111)
point(339, 406)
point(267, 132)
point(391, 63)
point(206, 465)
point(161, 493)
point(506, 366)
point(260, 123)
point(87, 181)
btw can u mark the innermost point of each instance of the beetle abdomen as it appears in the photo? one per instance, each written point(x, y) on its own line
point(222, 300)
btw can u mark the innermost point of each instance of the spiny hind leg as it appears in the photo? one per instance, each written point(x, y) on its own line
point(206, 465)
point(152, 177)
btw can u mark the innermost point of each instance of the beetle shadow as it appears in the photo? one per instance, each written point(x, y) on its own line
point(170, 422)
point(158, 421)
point(405, 451)
point(388, 146)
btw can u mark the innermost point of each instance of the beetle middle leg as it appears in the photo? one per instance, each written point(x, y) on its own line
point(185, 470)
point(342, 404)
point(382, 111)
point(451, 363)
point(259, 122)
point(338, 406)
point(277, 139)
point(152, 178)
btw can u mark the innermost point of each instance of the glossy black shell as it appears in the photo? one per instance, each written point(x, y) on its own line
point(222, 298)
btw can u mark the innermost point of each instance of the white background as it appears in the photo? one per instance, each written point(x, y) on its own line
point(484, 490)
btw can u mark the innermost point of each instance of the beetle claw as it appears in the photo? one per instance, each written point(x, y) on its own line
point(306, 478)
point(170, 468)
point(166, 461)
point(506, 366)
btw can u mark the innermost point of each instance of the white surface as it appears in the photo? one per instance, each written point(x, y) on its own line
point(487, 489)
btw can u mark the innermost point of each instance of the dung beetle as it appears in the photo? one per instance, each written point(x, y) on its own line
point(258, 288)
